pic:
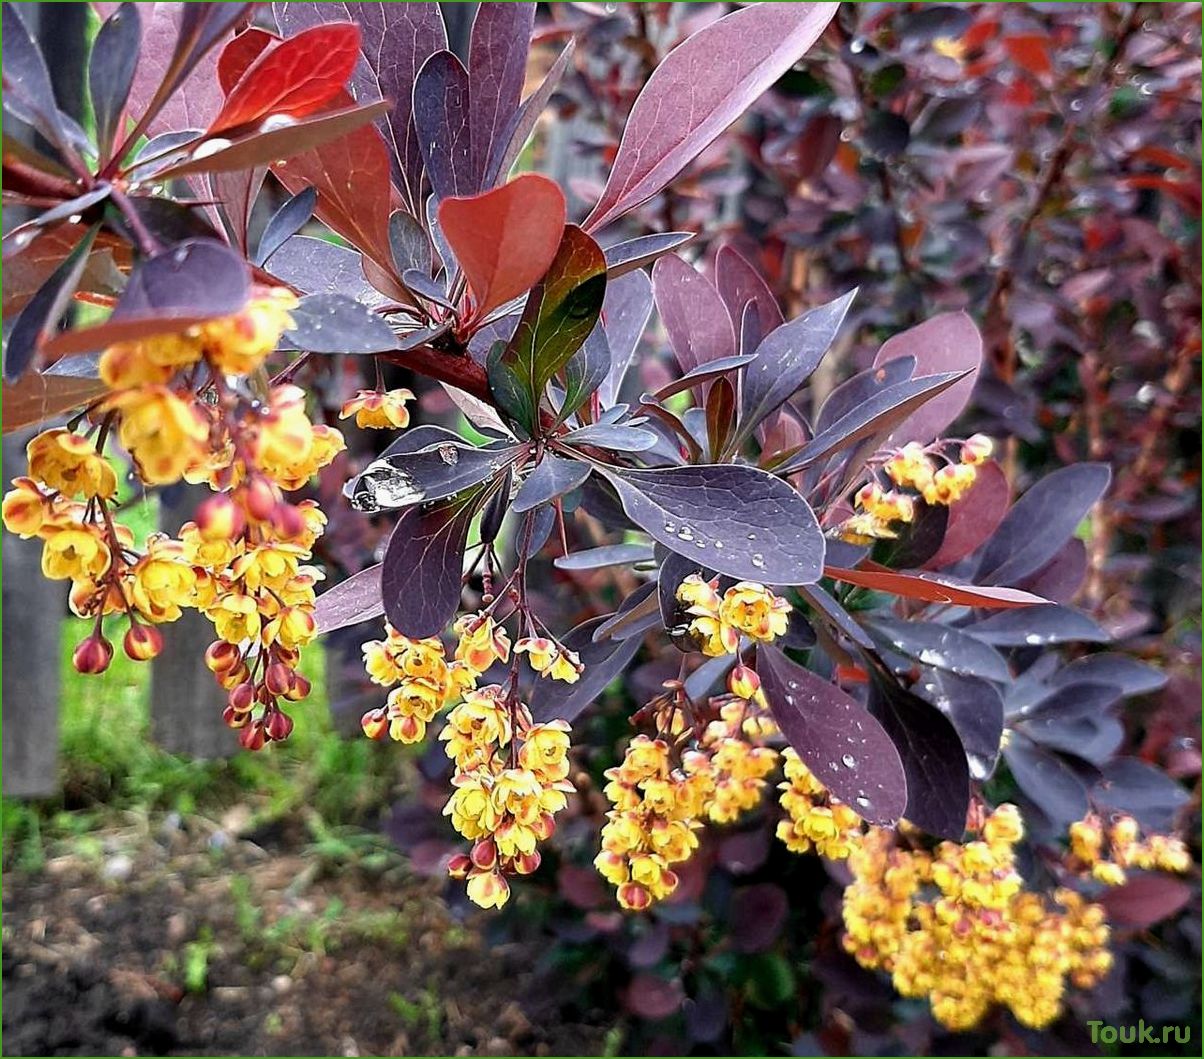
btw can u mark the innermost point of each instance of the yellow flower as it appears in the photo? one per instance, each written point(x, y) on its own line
point(482, 642)
point(75, 554)
point(755, 611)
point(127, 365)
point(379, 411)
point(235, 617)
point(162, 581)
point(415, 697)
point(163, 432)
point(714, 637)
point(694, 592)
point(293, 628)
point(545, 750)
point(212, 554)
point(470, 806)
point(488, 889)
point(70, 464)
point(25, 508)
point(549, 659)
point(238, 344)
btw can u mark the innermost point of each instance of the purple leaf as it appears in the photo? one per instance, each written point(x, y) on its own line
point(201, 277)
point(1041, 522)
point(739, 520)
point(693, 314)
point(620, 438)
point(44, 310)
point(976, 710)
point(334, 323)
point(786, 358)
point(625, 311)
point(436, 472)
point(441, 119)
point(497, 64)
point(28, 93)
point(111, 69)
point(410, 245)
point(1046, 779)
point(698, 90)
point(317, 266)
point(846, 749)
point(944, 343)
point(606, 555)
point(945, 647)
point(860, 388)
point(1132, 786)
point(286, 222)
point(1128, 674)
point(938, 774)
point(876, 416)
point(423, 564)
point(756, 917)
point(395, 40)
point(510, 146)
point(740, 284)
point(835, 615)
point(920, 541)
point(653, 998)
point(1061, 578)
point(704, 373)
point(631, 254)
point(637, 614)
point(350, 602)
point(427, 288)
point(1035, 626)
point(604, 660)
point(552, 477)
point(585, 371)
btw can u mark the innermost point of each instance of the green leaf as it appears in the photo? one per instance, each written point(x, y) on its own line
point(561, 311)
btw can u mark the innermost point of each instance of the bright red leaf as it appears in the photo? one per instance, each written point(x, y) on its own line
point(296, 78)
point(933, 589)
point(1031, 52)
point(237, 56)
point(504, 239)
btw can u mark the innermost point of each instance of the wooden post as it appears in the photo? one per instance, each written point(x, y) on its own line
point(186, 703)
point(33, 620)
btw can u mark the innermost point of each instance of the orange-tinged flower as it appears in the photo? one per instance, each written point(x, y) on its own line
point(238, 344)
point(25, 508)
point(235, 617)
point(755, 611)
point(377, 410)
point(162, 581)
point(164, 433)
point(75, 554)
point(549, 659)
point(482, 642)
point(488, 889)
point(70, 464)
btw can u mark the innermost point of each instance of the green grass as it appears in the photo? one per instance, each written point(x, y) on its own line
point(109, 765)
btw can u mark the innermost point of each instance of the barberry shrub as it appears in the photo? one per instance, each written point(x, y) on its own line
point(853, 600)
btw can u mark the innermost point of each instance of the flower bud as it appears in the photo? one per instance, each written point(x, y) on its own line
point(526, 863)
point(252, 737)
point(287, 521)
point(375, 724)
point(278, 679)
point(743, 682)
point(300, 689)
point(484, 854)
point(220, 518)
point(241, 697)
point(228, 678)
point(279, 725)
point(459, 866)
point(634, 897)
point(977, 449)
point(221, 657)
point(260, 498)
point(93, 655)
point(143, 642)
point(233, 719)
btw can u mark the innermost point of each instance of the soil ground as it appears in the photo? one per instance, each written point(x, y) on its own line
point(171, 938)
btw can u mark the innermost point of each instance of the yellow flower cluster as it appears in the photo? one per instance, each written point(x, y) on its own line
point(1125, 848)
point(379, 410)
point(957, 926)
point(511, 779)
point(657, 810)
point(731, 753)
point(815, 821)
point(718, 621)
point(242, 561)
point(912, 474)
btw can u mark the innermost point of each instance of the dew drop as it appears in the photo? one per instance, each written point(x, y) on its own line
point(862, 801)
point(449, 454)
point(849, 761)
point(758, 560)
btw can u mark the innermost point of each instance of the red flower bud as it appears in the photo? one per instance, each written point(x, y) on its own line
point(300, 689)
point(233, 719)
point(278, 679)
point(233, 676)
point(221, 657)
point(287, 521)
point(241, 697)
point(484, 854)
point(143, 642)
point(526, 863)
point(260, 498)
point(375, 724)
point(459, 865)
point(252, 737)
point(279, 725)
point(634, 896)
point(220, 518)
point(93, 655)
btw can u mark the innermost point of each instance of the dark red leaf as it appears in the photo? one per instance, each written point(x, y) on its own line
point(948, 342)
point(517, 134)
point(848, 751)
point(1030, 51)
point(497, 65)
point(739, 283)
point(39, 397)
point(505, 239)
point(698, 90)
point(297, 77)
point(693, 313)
point(442, 120)
point(974, 517)
point(1146, 899)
